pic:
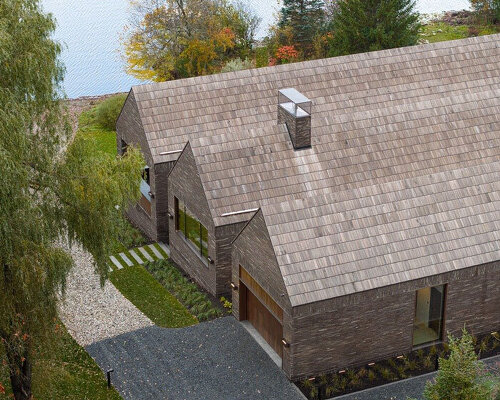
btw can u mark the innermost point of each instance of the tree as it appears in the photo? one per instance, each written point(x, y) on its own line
point(462, 376)
point(46, 193)
point(305, 20)
point(173, 39)
point(487, 9)
point(368, 25)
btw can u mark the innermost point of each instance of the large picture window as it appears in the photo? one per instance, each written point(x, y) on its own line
point(192, 229)
point(428, 325)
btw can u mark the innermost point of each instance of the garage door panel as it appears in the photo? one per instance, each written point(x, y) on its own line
point(265, 323)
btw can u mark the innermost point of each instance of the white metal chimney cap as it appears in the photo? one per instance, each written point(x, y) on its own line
point(294, 95)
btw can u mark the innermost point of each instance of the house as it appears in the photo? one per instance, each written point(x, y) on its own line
point(351, 205)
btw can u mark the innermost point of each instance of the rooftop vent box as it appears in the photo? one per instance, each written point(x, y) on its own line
point(294, 110)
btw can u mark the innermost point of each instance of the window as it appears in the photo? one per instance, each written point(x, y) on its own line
point(428, 325)
point(145, 175)
point(123, 147)
point(191, 228)
point(145, 200)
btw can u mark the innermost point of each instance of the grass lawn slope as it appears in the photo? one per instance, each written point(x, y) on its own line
point(64, 372)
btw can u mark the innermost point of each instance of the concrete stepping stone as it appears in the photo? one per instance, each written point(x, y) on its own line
point(156, 252)
point(126, 259)
point(136, 257)
point(165, 248)
point(116, 262)
point(145, 254)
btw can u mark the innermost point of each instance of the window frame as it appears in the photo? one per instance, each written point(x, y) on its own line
point(441, 333)
point(201, 251)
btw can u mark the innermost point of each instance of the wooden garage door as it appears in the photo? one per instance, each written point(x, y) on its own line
point(265, 322)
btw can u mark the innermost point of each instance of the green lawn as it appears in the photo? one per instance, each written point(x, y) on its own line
point(104, 139)
point(137, 285)
point(441, 31)
point(64, 372)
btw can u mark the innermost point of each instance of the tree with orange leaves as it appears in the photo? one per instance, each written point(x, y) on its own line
point(171, 39)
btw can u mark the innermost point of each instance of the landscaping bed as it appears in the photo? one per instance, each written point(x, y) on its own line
point(197, 301)
point(63, 371)
point(416, 363)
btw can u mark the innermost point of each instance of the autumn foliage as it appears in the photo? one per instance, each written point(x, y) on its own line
point(174, 39)
point(286, 54)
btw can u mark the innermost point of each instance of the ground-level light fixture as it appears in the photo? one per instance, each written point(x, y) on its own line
point(234, 286)
point(371, 364)
point(400, 357)
point(285, 342)
point(342, 371)
point(108, 375)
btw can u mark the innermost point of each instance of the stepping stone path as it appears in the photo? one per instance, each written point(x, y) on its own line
point(139, 255)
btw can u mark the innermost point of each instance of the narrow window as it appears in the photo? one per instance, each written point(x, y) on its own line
point(123, 147)
point(145, 175)
point(428, 325)
point(145, 200)
point(191, 228)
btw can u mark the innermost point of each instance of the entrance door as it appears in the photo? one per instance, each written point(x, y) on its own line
point(265, 322)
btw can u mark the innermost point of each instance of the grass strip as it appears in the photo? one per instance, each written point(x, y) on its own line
point(161, 307)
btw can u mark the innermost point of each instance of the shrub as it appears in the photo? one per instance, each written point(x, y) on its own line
point(237, 64)
point(461, 375)
point(107, 111)
point(183, 289)
point(261, 57)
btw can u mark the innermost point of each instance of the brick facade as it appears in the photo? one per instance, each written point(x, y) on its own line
point(184, 183)
point(298, 128)
point(368, 326)
point(129, 129)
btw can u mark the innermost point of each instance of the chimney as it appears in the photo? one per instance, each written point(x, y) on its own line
point(294, 110)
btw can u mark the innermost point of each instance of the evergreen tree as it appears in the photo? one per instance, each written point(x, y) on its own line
point(304, 18)
point(462, 376)
point(46, 193)
point(367, 25)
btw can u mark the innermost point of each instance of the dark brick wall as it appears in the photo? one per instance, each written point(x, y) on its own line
point(368, 326)
point(299, 128)
point(185, 184)
point(129, 128)
point(224, 237)
point(159, 185)
point(252, 250)
point(378, 324)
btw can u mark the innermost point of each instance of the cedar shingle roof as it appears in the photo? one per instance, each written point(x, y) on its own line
point(341, 243)
point(174, 112)
point(405, 145)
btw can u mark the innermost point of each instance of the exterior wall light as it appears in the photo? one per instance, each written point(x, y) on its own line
point(494, 333)
point(151, 194)
point(210, 260)
point(312, 379)
point(371, 364)
point(233, 286)
point(285, 343)
point(400, 357)
point(342, 371)
point(170, 215)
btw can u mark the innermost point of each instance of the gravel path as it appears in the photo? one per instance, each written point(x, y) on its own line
point(91, 313)
point(216, 360)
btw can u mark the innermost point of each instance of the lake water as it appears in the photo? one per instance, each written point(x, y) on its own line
point(91, 29)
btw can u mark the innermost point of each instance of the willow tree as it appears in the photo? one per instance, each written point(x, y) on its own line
point(46, 192)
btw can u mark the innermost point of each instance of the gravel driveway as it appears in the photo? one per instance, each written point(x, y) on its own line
point(91, 313)
point(216, 360)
